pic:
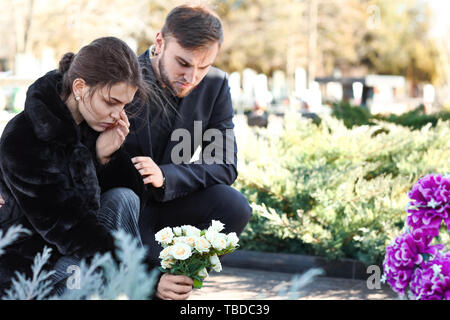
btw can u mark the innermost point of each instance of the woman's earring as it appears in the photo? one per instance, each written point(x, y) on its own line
point(153, 51)
point(77, 98)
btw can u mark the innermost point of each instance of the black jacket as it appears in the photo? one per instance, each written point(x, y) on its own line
point(210, 103)
point(51, 181)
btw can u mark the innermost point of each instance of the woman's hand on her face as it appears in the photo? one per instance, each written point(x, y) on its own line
point(110, 140)
point(171, 287)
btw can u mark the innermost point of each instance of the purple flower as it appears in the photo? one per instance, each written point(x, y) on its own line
point(422, 239)
point(430, 202)
point(400, 259)
point(432, 280)
point(431, 188)
point(407, 261)
point(405, 254)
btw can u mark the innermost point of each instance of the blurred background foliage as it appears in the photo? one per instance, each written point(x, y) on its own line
point(378, 36)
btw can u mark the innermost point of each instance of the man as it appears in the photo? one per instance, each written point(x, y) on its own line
point(195, 101)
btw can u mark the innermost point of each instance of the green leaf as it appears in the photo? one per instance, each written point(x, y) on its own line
point(198, 284)
point(163, 270)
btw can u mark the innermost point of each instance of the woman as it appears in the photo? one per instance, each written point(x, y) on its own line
point(63, 175)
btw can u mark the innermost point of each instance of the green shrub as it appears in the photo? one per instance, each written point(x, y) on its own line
point(416, 119)
point(351, 115)
point(333, 191)
point(357, 116)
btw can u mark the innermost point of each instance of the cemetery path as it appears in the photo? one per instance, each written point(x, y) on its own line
point(248, 284)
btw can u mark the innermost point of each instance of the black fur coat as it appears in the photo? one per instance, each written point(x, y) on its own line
point(51, 181)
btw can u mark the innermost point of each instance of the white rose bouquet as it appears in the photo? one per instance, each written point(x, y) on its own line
point(191, 252)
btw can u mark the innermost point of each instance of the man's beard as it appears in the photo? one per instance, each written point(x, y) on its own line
point(164, 78)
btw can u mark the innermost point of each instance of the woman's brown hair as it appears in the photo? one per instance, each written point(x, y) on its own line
point(104, 62)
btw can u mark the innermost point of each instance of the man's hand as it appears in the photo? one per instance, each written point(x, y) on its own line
point(2, 202)
point(110, 140)
point(171, 287)
point(149, 170)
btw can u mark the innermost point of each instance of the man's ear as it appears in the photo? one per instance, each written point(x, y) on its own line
point(79, 88)
point(159, 43)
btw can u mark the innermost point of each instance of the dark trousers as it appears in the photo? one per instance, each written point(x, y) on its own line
point(218, 202)
point(119, 210)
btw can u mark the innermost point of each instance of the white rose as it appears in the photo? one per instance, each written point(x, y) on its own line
point(167, 264)
point(190, 241)
point(165, 254)
point(211, 235)
point(191, 231)
point(203, 273)
point(232, 240)
point(202, 245)
point(164, 236)
point(178, 231)
point(181, 251)
point(220, 242)
point(215, 262)
point(214, 259)
point(217, 267)
point(216, 225)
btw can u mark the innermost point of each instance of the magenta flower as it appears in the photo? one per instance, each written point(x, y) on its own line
point(411, 261)
point(431, 188)
point(400, 259)
point(432, 280)
point(430, 202)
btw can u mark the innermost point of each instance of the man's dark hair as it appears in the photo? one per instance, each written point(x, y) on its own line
point(193, 26)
